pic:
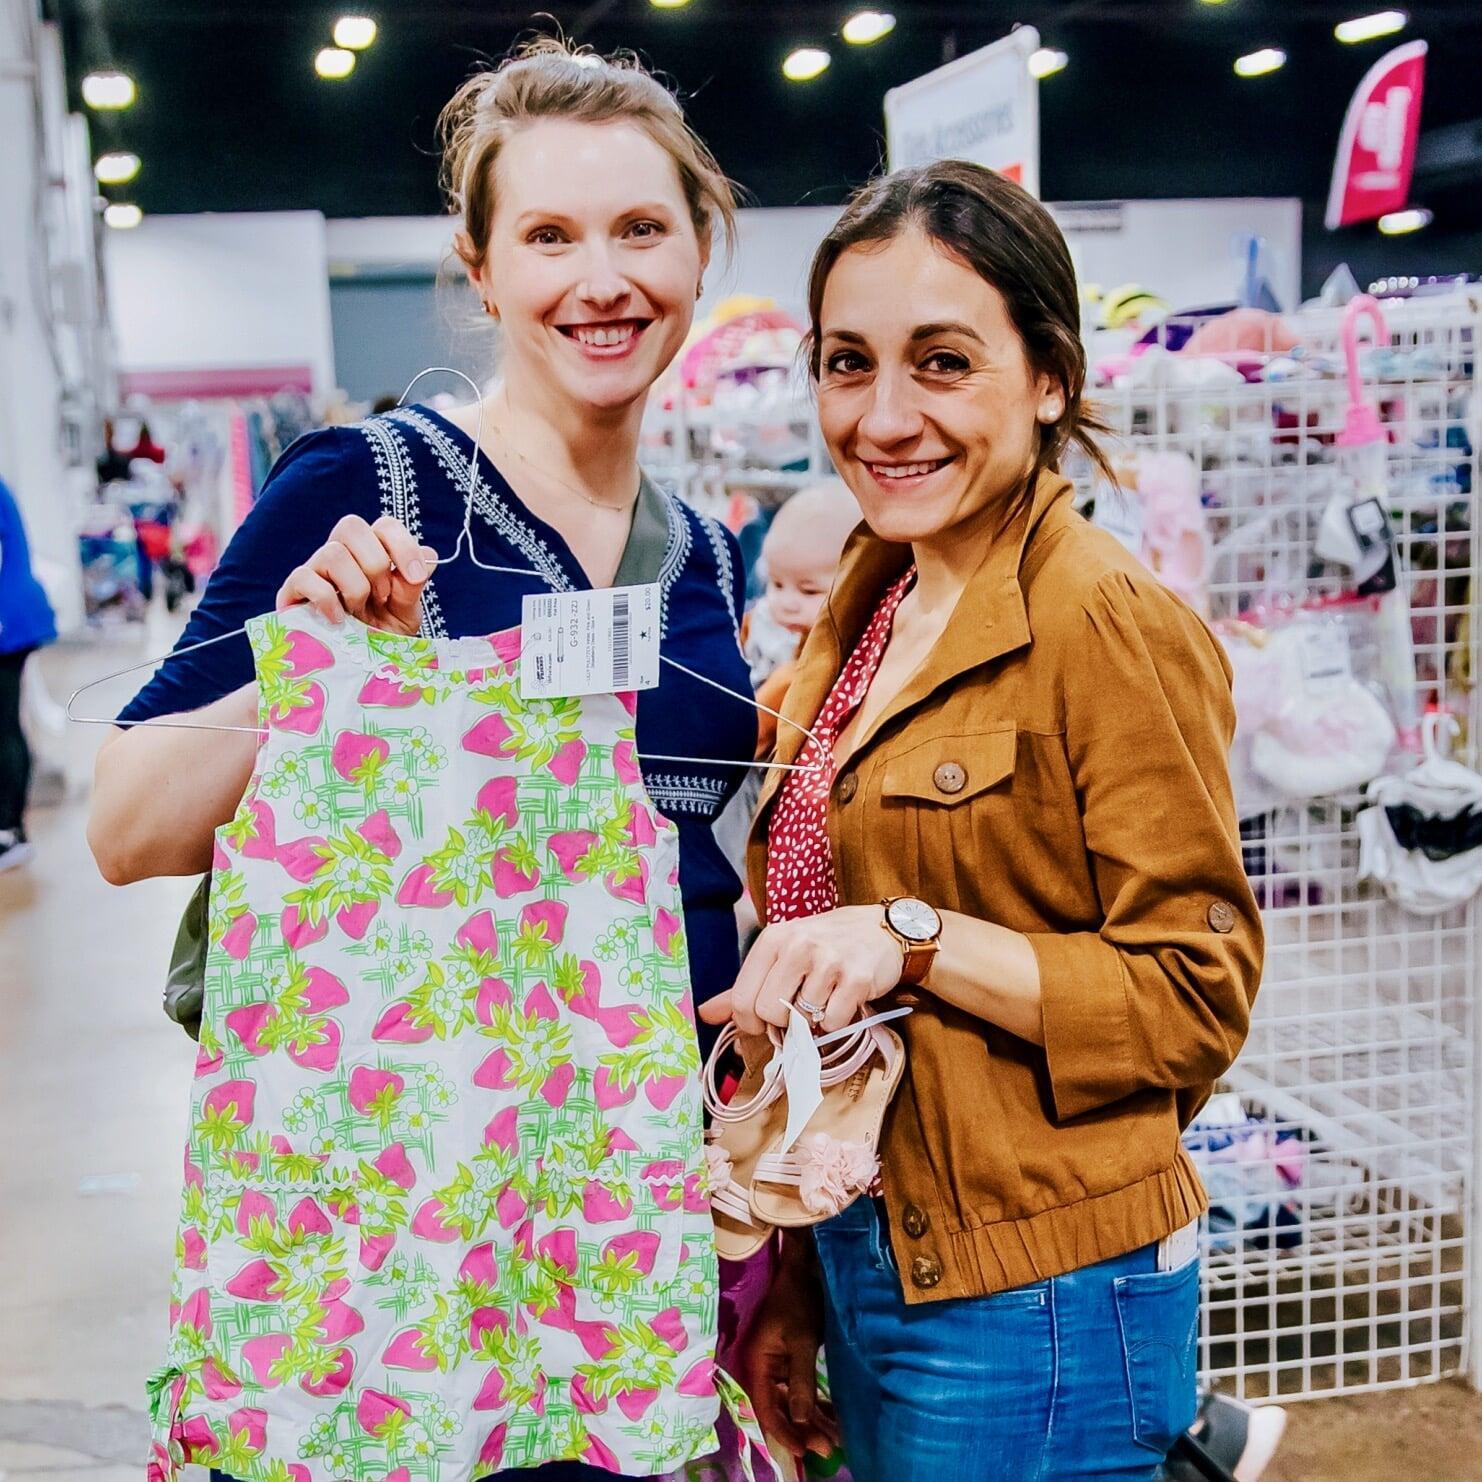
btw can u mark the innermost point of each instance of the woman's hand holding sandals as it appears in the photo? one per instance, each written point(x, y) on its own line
point(829, 965)
point(372, 572)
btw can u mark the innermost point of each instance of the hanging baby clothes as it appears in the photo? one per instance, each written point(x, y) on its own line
point(1421, 839)
point(445, 1206)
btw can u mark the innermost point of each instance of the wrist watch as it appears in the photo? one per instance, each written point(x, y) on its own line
point(918, 928)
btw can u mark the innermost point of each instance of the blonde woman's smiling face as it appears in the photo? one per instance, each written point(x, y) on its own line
point(593, 260)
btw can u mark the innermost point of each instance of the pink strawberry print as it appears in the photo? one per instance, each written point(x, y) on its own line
point(667, 926)
point(405, 1351)
point(511, 877)
point(566, 765)
point(630, 884)
point(491, 736)
point(305, 653)
point(498, 800)
point(370, 1090)
point(545, 920)
point(375, 1408)
point(570, 848)
point(378, 832)
point(625, 763)
point(388, 693)
point(419, 889)
point(479, 934)
point(397, 1026)
point(303, 718)
point(358, 756)
point(236, 942)
point(337, 1381)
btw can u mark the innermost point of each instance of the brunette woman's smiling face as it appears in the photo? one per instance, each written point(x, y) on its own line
point(593, 261)
point(927, 401)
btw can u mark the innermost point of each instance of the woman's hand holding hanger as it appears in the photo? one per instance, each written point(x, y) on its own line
point(372, 572)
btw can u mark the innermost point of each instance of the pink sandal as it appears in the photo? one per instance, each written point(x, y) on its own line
point(834, 1160)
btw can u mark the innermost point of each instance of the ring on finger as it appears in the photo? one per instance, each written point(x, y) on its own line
point(814, 1012)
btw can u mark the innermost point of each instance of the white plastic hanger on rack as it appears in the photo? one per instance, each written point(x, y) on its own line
point(463, 545)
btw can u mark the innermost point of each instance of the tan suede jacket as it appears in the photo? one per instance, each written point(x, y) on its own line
point(1058, 765)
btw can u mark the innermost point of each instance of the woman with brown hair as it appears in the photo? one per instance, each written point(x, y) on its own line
point(1021, 751)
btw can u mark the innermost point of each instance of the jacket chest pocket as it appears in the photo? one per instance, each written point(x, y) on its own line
point(936, 801)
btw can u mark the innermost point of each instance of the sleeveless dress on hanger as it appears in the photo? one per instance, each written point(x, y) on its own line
point(445, 1205)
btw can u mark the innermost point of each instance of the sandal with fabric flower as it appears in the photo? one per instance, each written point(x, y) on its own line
point(834, 1160)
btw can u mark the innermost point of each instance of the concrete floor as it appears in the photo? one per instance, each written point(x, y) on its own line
point(93, 1090)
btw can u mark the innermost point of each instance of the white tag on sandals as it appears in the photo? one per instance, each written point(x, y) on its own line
point(802, 1075)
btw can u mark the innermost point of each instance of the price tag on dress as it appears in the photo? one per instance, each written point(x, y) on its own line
point(590, 643)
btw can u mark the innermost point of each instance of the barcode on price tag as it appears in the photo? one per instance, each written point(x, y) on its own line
point(590, 643)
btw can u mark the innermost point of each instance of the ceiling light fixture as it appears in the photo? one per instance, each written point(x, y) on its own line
point(108, 88)
point(1046, 62)
point(355, 32)
point(122, 216)
point(334, 63)
point(1370, 27)
point(866, 26)
point(117, 168)
point(1397, 223)
point(668, 4)
point(1259, 63)
point(806, 63)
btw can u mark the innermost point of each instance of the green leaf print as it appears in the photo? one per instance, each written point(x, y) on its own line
point(279, 690)
point(540, 728)
point(532, 944)
point(462, 866)
point(499, 694)
point(234, 1455)
point(536, 1047)
point(303, 1263)
point(614, 1275)
point(219, 1127)
point(352, 871)
point(567, 978)
point(517, 1357)
point(240, 831)
point(382, 1202)
point(521, 854)
point(664, 1046)
point(640, 1360)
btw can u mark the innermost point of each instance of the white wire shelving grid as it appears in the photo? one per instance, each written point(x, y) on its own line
point(1363, 1039)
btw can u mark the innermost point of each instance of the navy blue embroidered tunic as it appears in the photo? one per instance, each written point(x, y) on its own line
point(413, 464)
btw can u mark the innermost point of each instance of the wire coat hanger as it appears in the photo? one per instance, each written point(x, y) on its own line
point(463, 545)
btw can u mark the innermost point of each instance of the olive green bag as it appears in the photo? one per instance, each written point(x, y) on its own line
point(185, 985)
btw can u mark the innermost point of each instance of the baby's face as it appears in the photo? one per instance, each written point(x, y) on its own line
point(799, 575)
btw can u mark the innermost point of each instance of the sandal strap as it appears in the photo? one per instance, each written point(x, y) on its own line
point(734, 1111)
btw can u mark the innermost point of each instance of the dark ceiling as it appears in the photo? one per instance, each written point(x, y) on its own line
point(231, 116)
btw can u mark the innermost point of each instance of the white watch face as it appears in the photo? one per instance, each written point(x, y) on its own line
point(914, 920)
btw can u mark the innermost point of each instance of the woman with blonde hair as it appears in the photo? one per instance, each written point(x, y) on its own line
point(588, 211)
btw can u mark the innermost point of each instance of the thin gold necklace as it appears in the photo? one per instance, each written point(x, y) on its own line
point(561, 483)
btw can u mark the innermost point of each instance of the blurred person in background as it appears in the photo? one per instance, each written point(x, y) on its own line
point(26, 623)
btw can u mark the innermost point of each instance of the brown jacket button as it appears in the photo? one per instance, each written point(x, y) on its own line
point(950, 778)
point(925, 1272)
point(915, 1222)
point(848, 786)
point(1221, 916)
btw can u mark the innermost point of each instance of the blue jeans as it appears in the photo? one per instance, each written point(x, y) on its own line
point(1086, 1375)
